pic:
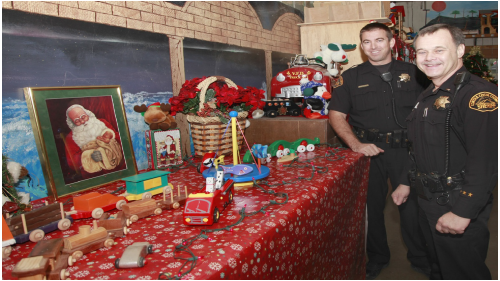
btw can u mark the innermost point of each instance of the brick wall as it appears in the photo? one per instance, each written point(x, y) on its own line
point(234, 22)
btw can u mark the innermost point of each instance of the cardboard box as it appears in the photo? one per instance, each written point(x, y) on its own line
point(268, 130)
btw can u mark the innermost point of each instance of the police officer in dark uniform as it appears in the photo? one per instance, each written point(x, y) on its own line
point(378, 95)
point(453, 157)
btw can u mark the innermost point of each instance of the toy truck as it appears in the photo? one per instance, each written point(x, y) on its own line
point(94, 204)
point(46, 261)
point(145, 185)
point(203, 208)
point(86, 241)
point(274, 108)
point(116, 224)
point(32, 225)
point(286, 84)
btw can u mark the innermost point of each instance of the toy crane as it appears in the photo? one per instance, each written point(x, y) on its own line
point(242, 174)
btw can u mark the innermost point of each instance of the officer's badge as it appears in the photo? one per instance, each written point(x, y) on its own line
point(441, 103)
point(404, 77)
point(338, 82)
point(484, 102)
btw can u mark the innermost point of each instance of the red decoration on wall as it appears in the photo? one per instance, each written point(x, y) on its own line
point(439, 6)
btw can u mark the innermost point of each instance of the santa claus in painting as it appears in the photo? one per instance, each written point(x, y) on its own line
point(92, 145)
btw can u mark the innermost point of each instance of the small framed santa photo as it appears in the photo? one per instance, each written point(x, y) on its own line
point(163, 148)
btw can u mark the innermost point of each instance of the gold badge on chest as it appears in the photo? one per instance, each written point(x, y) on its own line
point(404, 77)
point(442, 103)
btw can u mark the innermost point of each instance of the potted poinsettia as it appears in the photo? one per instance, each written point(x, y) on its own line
point(219, 98)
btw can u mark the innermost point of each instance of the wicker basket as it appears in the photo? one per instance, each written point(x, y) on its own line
point(208, 132)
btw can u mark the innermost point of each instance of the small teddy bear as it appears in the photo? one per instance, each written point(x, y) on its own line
point(157, 116)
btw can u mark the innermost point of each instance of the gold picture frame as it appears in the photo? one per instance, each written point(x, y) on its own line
point(67, 146)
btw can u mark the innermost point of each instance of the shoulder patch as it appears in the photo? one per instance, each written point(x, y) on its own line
point(484, 102)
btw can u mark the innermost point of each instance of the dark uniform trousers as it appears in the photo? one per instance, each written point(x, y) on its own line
point(390, 165)
point(456, 257)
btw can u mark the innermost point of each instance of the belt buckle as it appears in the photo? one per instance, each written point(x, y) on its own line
point(387, 137)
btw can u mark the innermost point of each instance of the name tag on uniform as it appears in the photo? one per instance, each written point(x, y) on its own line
point(362, 86)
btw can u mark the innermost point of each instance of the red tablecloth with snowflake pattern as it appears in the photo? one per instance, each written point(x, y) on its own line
point(318, 234)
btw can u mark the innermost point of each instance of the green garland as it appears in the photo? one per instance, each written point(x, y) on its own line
point(8, 189)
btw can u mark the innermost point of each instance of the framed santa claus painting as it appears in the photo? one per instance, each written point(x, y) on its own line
point(82, 136)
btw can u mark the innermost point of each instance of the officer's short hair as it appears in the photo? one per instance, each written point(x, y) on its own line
point(456, 33)
point(376, 25)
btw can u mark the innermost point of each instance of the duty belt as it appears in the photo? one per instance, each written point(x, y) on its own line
point(433, 185)
point(396, 138)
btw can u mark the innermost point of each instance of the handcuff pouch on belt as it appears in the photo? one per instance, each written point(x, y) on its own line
point(429, 186)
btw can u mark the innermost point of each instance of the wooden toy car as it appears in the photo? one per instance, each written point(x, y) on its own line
point(116, 224)
point(86, 241)
point(142, 208)
point(133, 211)
point(94, 204)
point(145, 185)
point(46, 261)
point(203, 208)
point(134, 255)
point(32, 225)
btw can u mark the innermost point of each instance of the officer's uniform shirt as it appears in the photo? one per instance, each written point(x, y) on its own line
point(367, 98)
point(475, 118)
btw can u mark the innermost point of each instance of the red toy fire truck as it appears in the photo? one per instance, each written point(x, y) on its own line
point(203, 208)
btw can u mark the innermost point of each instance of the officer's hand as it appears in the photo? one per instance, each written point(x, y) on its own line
point(451, 223)
point(368, 149)
point(400, 195)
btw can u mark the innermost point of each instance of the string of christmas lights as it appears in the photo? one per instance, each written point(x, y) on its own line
point(184, 248)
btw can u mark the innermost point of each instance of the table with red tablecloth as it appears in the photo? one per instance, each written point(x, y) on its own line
point(318, 234)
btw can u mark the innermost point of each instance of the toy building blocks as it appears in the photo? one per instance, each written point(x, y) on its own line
point(145, 185)
point(46, 261)
point(94, 204)
point(134, 255)
point(34, 224)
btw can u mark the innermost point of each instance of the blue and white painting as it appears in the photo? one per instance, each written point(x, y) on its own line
point(43, 51)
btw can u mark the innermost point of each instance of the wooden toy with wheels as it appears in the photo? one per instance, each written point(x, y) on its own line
point(146, 185)
point(86, 241)
point(46, 261)
point(116, 224)
point(93, 205)
point(32, 225)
